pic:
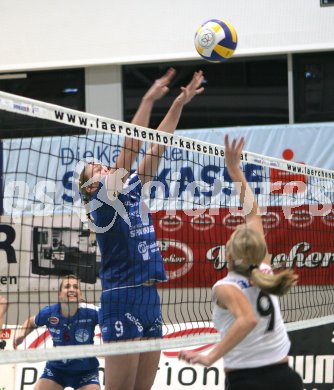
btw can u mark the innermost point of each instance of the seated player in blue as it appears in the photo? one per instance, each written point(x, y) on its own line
point(131, 260)
point(70, 322)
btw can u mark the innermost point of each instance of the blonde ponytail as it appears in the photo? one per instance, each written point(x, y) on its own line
point(277, 284)
point(247, 249)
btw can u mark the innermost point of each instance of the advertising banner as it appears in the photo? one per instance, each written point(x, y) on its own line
point(192, 247)
point(310, 356)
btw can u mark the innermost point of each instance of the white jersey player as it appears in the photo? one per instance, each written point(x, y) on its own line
point(246, 311)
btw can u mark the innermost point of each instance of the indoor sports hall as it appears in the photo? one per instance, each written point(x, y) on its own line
point(75, 79)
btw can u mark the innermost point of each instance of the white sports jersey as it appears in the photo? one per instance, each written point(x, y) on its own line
point(268, 342)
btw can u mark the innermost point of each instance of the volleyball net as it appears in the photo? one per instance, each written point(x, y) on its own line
point(44, 231)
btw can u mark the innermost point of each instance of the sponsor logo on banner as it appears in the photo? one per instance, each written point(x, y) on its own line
point(202, 222)
point(303, 255)
point(270, 220)
point(329, 219)
point(170, 223)
point(312, 356)
point(300, 218)
point(5, 334)
point(232, 221)
point(177, 257)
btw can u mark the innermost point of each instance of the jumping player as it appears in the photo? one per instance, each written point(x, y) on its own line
point(246, 309)
point(131, 260)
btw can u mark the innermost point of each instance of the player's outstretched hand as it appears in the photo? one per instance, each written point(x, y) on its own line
point(192, 89)
point(193, 357)
point(233, 152)
point(160, 87)
point(18, 340)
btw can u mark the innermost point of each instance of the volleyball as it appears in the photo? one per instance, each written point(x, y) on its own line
point(216, 40)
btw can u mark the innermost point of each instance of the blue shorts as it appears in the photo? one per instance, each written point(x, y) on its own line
point(129, 313)
point(75, 379)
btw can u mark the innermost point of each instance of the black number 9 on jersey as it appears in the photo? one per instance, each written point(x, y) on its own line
point(265, 307)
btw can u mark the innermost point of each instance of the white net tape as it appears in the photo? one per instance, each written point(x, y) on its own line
point(42, 110)
point(126, 347)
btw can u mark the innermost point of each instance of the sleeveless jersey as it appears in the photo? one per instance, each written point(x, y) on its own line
point(129, 252)
point(268, 342)
point(76, 330)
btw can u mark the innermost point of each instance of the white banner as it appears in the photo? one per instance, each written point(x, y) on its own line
point(310, 357)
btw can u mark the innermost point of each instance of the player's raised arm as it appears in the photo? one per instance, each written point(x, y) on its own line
point(27, 327)
point(233, 151)
point(149, 165)
point(244, 322)
point(131, 146)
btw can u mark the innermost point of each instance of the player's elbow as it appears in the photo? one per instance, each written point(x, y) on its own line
point(250, 321)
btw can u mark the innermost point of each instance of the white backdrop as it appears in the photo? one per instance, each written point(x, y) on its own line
point(40, 34)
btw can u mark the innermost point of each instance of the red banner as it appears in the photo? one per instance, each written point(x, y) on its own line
point(193, 247)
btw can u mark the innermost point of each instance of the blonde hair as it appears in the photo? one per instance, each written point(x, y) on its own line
point(66, 277)
point(247, 249)
point(71, 276)
point(86, 197)
point(82, 179)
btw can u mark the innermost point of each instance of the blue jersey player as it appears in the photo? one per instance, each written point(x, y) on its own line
point(69, 323)
point(131, 261)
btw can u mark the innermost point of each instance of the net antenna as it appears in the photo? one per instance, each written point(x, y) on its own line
point(194, 215)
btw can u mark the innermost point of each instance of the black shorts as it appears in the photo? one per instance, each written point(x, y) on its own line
point(274, 377)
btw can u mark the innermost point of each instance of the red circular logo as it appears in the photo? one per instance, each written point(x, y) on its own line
point(329, 219)
point(178, 258)
point(300, 218)
point(270, 220)
point(170, 223)
point(231, 221)
point(202, 222)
